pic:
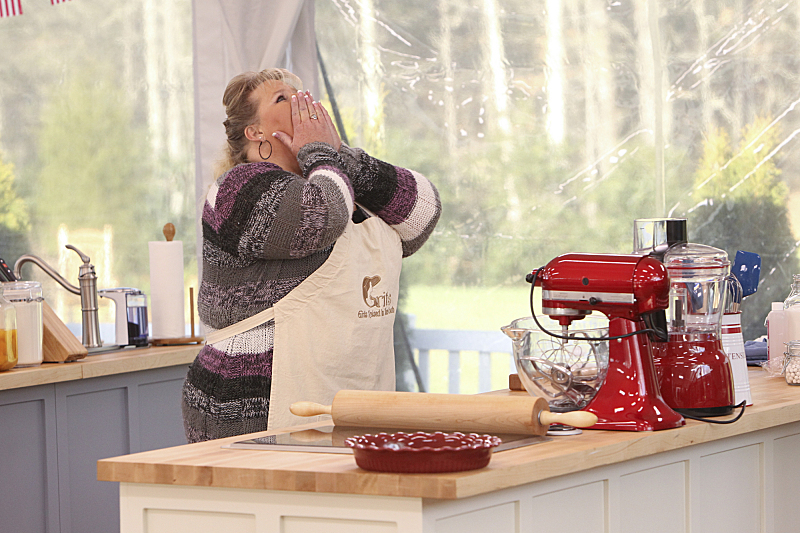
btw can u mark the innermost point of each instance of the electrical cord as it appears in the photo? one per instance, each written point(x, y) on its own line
point(741, 404)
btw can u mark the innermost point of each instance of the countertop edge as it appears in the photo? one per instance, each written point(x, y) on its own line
point(207, 464)
point(105, 364)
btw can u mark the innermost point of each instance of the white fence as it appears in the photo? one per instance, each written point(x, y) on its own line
point(489, 345)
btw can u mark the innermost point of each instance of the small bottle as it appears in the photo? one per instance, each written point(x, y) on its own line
point(8, 334)
point(776, 332)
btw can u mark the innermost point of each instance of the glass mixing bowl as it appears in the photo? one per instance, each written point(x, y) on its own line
point(567, 373)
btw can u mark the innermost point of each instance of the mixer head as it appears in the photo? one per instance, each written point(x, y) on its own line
point(619, 286)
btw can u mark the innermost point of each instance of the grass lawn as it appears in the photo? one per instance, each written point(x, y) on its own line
point(466, 308)
point(470, 308)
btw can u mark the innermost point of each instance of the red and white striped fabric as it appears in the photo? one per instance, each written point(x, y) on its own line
point(10, 8)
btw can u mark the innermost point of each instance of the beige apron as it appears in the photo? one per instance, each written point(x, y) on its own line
point(334, 330)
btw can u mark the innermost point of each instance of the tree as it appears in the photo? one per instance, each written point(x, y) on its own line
point(14, 218)
point(93, 175)
point(742, 204)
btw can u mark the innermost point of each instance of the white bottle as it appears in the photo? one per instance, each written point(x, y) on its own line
point(776, 332)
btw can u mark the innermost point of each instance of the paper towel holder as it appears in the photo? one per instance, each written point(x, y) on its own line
point(182, 340)
point(169, 234)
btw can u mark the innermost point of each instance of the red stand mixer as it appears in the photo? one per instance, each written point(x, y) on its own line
point(625, 288)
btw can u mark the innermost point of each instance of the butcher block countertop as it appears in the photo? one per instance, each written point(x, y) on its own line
point(102, 364)
point(208, 464)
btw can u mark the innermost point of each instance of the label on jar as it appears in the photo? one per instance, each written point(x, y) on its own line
point(733, 346)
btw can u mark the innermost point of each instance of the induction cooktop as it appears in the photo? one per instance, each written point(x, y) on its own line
point(330, 439)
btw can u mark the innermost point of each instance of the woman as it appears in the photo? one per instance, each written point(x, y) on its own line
point(287, 246)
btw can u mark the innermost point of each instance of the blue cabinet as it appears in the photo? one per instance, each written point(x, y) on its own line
point(51, 437)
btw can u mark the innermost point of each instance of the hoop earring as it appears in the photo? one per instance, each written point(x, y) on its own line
point(270, 150)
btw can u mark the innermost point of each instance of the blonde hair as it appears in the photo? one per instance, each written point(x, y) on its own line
point(242, 110)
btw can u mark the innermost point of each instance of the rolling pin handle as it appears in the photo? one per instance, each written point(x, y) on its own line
point(578, 419)
point(309, 409)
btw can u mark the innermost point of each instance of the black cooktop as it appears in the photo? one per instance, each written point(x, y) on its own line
point(330, 439)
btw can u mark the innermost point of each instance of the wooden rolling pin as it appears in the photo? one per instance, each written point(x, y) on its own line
point(521, 415)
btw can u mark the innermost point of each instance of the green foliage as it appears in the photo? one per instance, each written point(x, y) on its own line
point(743, 206)
point(743, 174)
point(93, 168)
point(13, 210)
point(14, 218)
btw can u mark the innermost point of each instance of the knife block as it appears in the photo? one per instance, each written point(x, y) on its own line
point(58, 343)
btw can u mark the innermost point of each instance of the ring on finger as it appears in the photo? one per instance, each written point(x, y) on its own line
point(313, 116)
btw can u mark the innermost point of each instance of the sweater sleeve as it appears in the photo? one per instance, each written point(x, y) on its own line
point(404, 199)
point(259, 211)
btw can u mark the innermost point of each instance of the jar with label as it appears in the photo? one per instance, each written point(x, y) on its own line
point(791, 309)
point(791, 365)
point(8, 334)
point(26, 296)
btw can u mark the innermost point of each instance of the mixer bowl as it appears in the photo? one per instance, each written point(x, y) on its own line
point(567, 374)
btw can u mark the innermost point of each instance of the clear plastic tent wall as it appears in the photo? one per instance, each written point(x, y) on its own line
point(550, 126)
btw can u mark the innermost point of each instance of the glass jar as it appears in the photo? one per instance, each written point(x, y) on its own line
point(8, 334)
point(794, 295)
point(26, 297)
point(791, 365)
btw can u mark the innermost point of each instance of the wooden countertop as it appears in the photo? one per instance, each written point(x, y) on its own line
point(208, 464)
point(103, 364)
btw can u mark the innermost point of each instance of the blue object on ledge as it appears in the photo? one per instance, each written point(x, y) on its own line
point(755, 352)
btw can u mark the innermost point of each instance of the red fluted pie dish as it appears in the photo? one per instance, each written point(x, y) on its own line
point(421, 452)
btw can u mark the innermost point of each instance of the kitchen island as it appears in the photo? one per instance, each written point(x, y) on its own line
point(700, 477)
point(58, 419)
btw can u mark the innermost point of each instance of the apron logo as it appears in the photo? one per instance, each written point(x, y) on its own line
point(378, 304)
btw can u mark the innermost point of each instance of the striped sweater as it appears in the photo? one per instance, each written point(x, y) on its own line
point(265, 230)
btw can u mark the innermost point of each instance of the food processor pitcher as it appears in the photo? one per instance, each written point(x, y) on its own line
point(693, 371)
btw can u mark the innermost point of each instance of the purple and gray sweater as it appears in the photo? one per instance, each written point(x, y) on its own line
point(265, 230)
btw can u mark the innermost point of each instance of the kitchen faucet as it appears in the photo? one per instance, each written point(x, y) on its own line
point(87, 291)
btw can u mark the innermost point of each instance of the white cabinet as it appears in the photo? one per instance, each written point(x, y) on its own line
point(745, 482)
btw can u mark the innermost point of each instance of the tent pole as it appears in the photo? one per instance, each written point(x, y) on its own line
point(329, 90)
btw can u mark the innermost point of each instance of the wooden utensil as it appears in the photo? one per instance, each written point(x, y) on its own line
point(514, 383)
point(423, 411)
point(58, 342)
point(169, 231)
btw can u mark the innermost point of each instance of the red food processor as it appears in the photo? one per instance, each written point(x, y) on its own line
point(610, 374)
point(693, 371)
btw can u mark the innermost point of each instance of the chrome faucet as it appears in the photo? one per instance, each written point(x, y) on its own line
point(87, 280)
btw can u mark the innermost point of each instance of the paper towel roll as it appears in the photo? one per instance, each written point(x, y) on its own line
point(166, 290)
